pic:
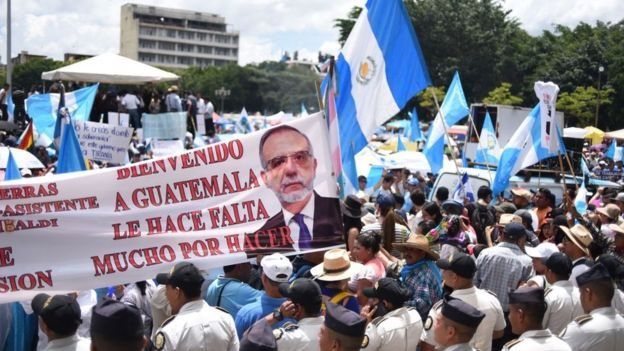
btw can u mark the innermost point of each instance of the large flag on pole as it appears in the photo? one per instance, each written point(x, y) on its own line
point(43, 108)
point(524, 149)
point(243, 122)
point(70, 158)
point(400, 145)
point(580, 201)
point(454, 108)
point(488, 150)
point(380, 68)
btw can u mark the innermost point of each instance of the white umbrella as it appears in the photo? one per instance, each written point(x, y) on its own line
point(575, 133)
point(23, 158)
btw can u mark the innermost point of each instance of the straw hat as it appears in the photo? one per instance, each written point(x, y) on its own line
point(336, 266)
point(579, 235)
point(173, 88)
point(420, 242)
point(522, 193)
point(611, 210)
point(507, 218)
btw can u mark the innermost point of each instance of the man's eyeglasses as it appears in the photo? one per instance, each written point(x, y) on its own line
point(301, 158)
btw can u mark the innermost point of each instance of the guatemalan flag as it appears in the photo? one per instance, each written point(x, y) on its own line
point(43, 108)
point(488, 150)
point(580, 201)
point(454, 108)
point(614, 152)
point(463, 190)
point(379, 69)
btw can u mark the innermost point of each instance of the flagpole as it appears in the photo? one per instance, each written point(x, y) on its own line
point(572, 170)
point(446, 134)
point(471, 120)
point(563, 183)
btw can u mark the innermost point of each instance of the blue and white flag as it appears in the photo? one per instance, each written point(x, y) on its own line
point(523, 150)
point(43, 108)
point(414, 134)
point(243, 122)
point(304, 111)
point(580, 201)
point(71, 158)
point(454, 108)
point(400, 145)
point(380, 68)
point(463, 190)
point(12, 171)
point(614, 152)
point(488, 150)
point(10, 105)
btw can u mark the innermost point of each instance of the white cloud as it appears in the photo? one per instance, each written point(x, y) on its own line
point(267, 27)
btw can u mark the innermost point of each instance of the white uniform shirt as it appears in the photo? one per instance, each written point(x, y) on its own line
point(618, 300)
point(395, 331)
point(574, 293)
point(601, 330)
point(197, 326)
point(71, 343)
point(460, 347)
point(559, 309)
point(537, 340)
point(483, 301)
point(161, 310)
point(300, 337)
point(130, 101)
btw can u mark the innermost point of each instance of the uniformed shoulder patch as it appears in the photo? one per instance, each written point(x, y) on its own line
point(159, 340)
point(547, 291)
point(492, 293)
point(167, 321)
point(582, 319)
point(277, 333)
point(428, 323)
point(222, 309)
point(562, 334)
point(365, 341)
point(438, 304)
point(290, 326)
point(512, 343)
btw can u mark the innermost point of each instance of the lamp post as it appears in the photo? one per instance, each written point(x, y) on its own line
point(600, 70)
point(222, 93)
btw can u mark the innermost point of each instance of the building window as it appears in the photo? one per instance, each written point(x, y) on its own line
point(143, 57)
point(147, 31)
point(185, 60)
point(204, 49)
point(186, 48)
point(202, 36)
point(147, 44)
point(171, 33)
point(165, 45)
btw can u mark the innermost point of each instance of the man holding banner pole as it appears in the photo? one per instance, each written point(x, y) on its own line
point(307, 220)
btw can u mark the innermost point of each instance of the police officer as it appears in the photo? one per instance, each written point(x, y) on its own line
point(397, 328)
point(342, 330)
point(562, 298)
point(116, 326)
point(59, 319)
point(526, 312)
point(259, 337)
point(456, 324)
point(457, 273)
point(194, 324)
point(602, 328)
point(303, 305)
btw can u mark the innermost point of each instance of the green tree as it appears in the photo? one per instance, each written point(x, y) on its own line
point(426, 100)
point(502, 96)
point(345, 25)
point(28, 74)
point(580, 105)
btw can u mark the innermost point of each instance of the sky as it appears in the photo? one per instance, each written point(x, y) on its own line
point(267, 27)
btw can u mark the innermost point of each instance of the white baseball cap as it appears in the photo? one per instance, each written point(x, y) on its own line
point(543, 250)
point(277, 267)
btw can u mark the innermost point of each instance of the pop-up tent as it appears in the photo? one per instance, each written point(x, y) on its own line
point(110, 68)
point(617, 134)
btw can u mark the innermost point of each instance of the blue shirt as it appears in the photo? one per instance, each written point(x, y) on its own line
point(234, 294)
point(408, 202)
point(260, 308)
point(351, 304)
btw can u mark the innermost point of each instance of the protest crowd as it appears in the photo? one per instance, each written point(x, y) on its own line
point(418, 266)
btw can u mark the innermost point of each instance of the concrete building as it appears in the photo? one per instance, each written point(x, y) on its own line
point(72, 57)
point(24, 57)
point(176, 38)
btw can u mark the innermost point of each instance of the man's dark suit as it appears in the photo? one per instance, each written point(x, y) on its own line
point(327, 229)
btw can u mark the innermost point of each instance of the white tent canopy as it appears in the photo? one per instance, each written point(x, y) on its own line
point(110, 68)
point(617, 134)
point(575, 133)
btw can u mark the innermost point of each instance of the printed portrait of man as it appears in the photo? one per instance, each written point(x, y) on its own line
point(288, 169)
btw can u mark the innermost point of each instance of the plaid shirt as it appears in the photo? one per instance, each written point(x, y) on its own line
point(425, 287)
point(501, 268)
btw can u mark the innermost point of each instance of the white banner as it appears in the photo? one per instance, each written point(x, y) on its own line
point(162, 148)
point(103, 142)
point(119, 119)
point(547, 94)
point(170, 125)
point(212, 206)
